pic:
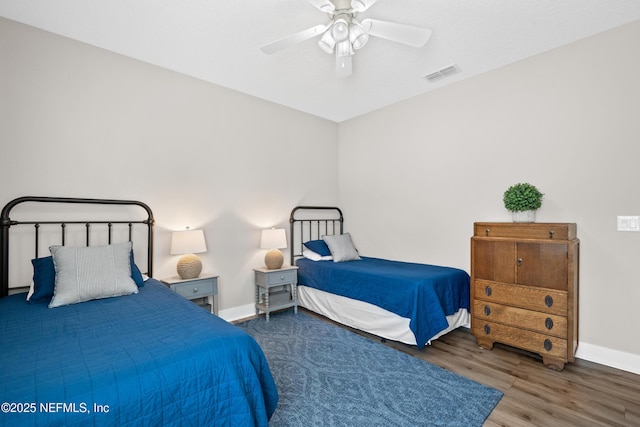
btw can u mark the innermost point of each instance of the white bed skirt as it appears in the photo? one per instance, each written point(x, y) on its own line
point(368, 317)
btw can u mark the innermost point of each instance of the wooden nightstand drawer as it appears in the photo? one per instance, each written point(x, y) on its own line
point(277, 278)
point(545, 345)
point(205, 286)
point(531, 230)
point(194, 290)
point(535, 321)
point(284, 277)
point(532, 298)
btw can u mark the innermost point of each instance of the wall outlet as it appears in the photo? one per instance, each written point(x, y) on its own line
point(628, 223)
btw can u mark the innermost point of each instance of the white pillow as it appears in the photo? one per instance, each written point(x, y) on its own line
point(314, 256)
point(341, 247)
point(86, 273)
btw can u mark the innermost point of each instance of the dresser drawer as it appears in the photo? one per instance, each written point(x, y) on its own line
point(277, 278)
point(533, 230)
point(535, 321)
point(545, 345)
point(194, 290)
point(538, 299)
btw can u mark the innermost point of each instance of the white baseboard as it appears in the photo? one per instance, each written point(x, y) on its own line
point(613, 358)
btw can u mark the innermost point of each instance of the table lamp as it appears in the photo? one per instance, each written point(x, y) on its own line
point(273, 239)
point(188, 243)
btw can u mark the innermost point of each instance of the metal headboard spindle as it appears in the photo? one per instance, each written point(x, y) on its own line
point(334, 219)
point(6, 222)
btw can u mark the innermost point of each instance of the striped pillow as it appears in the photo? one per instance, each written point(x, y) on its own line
point(87, 273)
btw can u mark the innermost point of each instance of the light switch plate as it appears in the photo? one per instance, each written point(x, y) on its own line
point(628, 223)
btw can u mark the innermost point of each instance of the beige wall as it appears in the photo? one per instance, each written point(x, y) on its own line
point(412, 178)
point(78, 121)
point(416, 175)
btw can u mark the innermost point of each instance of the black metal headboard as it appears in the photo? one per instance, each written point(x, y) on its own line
point(6, 222)
point(310, 223)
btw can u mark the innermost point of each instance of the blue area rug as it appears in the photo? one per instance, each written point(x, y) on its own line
point(329, 376)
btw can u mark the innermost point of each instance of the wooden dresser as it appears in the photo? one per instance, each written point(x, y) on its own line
point(524, 288)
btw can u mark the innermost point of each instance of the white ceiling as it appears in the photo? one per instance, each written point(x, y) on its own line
point(218, 41)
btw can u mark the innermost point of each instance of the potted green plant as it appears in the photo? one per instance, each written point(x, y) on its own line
point(522, 200)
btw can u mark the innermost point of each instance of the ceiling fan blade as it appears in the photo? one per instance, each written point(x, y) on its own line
point(323, 5)
point(399, 33)
point(292, 39)
point(362, 5)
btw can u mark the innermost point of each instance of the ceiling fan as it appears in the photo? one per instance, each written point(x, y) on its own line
point(344, 34)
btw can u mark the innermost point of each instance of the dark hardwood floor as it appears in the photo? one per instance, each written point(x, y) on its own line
point(583, 394)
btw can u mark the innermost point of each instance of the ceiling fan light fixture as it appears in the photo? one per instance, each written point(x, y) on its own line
point(357, 36)
point(340, 30)
point(327, 42)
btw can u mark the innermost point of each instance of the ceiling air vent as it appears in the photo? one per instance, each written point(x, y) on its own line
point(442, 72)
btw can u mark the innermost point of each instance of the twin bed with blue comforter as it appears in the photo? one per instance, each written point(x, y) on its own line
point(143, 356)
point(402, 301)
point(424, 294)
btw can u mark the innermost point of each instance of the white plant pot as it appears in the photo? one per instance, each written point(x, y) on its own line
point(524, 216)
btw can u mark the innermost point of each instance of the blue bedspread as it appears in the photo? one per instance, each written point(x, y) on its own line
point(151, 359)
point(423, 293)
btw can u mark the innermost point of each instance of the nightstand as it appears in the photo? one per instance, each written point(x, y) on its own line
point(276, 289)
point(205, 286)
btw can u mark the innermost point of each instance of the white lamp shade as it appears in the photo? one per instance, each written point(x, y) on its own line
point(357, 36)
point(274, 238)
point(188, 242)
point(340, 30)
point(327, 43)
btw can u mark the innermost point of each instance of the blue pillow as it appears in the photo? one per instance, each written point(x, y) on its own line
point(44, 278)
point(136, 275)
point(318, 246)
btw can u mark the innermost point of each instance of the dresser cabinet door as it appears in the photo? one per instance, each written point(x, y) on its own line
point(543, 265)
point(526, 263)
point(494, 260)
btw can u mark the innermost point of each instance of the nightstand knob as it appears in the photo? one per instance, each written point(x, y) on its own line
point(281, 277)
point(487, 329)
point(487, 290)
point(486, 231)
point(195, 290)
point(548, 300)
point(487, 310)
point(548, 323)
point(548, 345)
point(551, 233)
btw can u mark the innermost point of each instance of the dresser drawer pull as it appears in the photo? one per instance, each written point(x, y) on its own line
point(548, 301)
point(519, 262)
point(487, 310)
point(486, 231)
point(487, 290)
point(551, 233)
point(195, 290)
point(487, 329)
point(548, 345)
point(548, 323)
